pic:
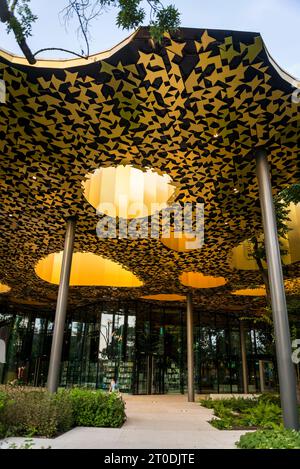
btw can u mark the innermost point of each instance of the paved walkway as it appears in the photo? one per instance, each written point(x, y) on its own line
point(162, 422)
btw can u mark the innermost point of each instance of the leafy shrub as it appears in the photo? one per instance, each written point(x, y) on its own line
point(3, 399)
point(3, 402)
point(270, 398)
point(208, 403)
point(261, 412)
point(270, 439)
point(263, 415)
point(97, 408)
point(224, 423)
point(236, 404)
point(30, 412)
point(226, 417)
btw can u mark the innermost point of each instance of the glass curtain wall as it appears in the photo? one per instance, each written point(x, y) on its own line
point(142, 346)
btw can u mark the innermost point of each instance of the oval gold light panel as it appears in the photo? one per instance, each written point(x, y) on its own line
point(4, 288)
point(164, 297)
point(87, 269)
point(250, 292)
point(180, 242)
point(199, 280)
point(127, 192)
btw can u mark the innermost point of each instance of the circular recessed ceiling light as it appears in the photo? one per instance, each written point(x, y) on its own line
point(198, 280)
point(127, 192)
point(87, 269)
point(261, 291)
point(164, 297)
point(4, 288)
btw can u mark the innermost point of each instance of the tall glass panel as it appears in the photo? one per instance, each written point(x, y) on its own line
point(253, 365)
point(235, 359)
point(173, 350)
point(77, 337)
point(143, 350)
point(208, 360)
point(224, 365)
point(107, 362)
point(16, 366)
point(39, 331)
point(127, 353)
point(6, 326)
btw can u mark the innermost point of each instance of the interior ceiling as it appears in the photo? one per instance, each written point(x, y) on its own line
point(193, 108)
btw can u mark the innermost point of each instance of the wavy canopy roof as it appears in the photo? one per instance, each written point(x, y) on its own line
point(193, 108)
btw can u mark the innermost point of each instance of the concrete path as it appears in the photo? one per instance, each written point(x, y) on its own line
point(162, 422)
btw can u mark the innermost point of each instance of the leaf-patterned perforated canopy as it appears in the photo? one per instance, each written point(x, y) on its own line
point(194, 108)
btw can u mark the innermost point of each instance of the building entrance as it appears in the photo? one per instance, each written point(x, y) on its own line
point(150, 374)
point(160, 345)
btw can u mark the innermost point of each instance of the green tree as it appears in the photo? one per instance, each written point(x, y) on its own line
point(18, 17)
point(282, 202)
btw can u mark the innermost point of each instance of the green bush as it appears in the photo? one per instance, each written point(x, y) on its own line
point(236, 404)
point(270, 439)
point(261, 412)
point(270, 398)
point(3, 402)
point(208, 403)
point(30, 412)
point(97, 408)
point(263, 415)
point(225, 419)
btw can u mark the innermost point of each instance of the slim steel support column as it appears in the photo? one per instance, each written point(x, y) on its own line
point(261, 375)
point(61, 309)
point(190, 346)
point(286, 371)
point(244, 358)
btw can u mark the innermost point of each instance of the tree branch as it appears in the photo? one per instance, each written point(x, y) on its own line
point(8, 17)
point(13, 5)
point(60, 49)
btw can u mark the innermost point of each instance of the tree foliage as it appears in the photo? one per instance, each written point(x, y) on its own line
point(22, 18)
point(281, 202)
point(18, 17)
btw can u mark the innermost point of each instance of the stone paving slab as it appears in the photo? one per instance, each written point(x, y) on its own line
point(162, 422)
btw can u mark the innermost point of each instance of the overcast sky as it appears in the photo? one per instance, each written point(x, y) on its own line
point(277, 20)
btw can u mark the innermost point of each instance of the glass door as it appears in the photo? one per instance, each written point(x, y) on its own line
point(150, 374)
